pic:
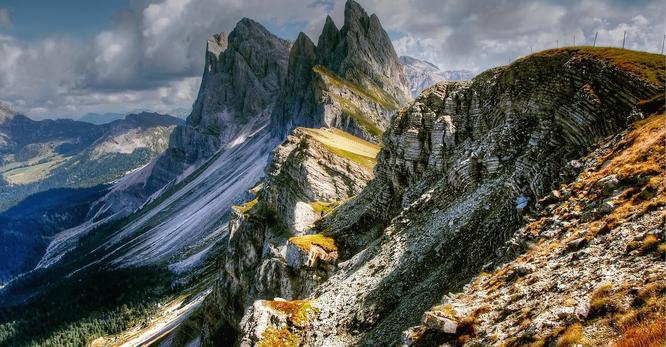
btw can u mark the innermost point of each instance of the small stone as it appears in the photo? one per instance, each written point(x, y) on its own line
point(606, 207)
point(608, 184)
point(521, 202)
point(523, 269)
point(576, 244)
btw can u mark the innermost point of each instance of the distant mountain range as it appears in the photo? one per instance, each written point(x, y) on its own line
point(108, 117)
point(57, 157)
point(101, 118)
point(421, 74)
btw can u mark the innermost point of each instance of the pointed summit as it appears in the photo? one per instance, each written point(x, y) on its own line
point(244, 77)
point(241, 82)
point(355, 14)
point(369, 56)
point(328, 41)
point(354, 82)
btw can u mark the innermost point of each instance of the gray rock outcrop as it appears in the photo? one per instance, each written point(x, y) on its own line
point(272, 248)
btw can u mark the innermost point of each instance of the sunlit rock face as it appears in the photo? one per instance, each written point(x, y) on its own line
point(274, 248)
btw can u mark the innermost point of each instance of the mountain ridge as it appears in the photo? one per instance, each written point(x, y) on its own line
point(422, 74)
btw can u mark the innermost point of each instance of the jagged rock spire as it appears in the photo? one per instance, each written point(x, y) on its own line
point(327, 45)
point(359, 56)
point(243, 73)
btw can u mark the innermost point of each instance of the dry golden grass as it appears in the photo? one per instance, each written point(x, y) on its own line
point(305, 242)
point(645, 334)
point(649, 243)
point(322, 206)
point(603, 301)
point(246, 207)
point(273, 337)
point(571, 337)
point(298, 312)
point(636, 161)
point(647, 66)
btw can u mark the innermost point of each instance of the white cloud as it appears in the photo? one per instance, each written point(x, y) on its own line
point(152, 56)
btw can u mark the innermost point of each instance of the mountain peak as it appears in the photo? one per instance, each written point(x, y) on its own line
point(355, 13)
point(247, 29)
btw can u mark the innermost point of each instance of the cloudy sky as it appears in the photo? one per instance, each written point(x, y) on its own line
point(69, 57)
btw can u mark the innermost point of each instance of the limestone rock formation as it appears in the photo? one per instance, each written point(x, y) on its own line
point(601, 272)
point(352, 79)
point(421, 74)
point(274, 248)
point(310, 173)
point(461, 170)
point(242, 78)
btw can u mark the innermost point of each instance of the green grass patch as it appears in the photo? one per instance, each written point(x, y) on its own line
point(346, 145)
point(246, 207)
point(305, 242)
point(325, 207)
point(649, 67)
point(372, 92)
point(364, 161)
point(357, 116)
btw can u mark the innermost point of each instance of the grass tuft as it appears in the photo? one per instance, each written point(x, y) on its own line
point(273, 337)
point(322, 207)
point(246, 207)
point(571, 337)
point(305, 242)
point(644, 334)
point(298, 311)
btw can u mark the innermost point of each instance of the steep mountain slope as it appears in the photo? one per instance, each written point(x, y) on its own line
point(460, 172)
point(170, 219)
point(351, 79)
point(225, 145)
point(25, 229)
point(312, 172)
point(240, 84)
point(47, 156)
point(421, 74)
point(594, 252)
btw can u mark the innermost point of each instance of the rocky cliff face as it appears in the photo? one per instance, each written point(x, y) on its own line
point(271, 249)
point(243, 74)
point(351, 79)
point(461, 171)
point(593, 251)
point(421, 74)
